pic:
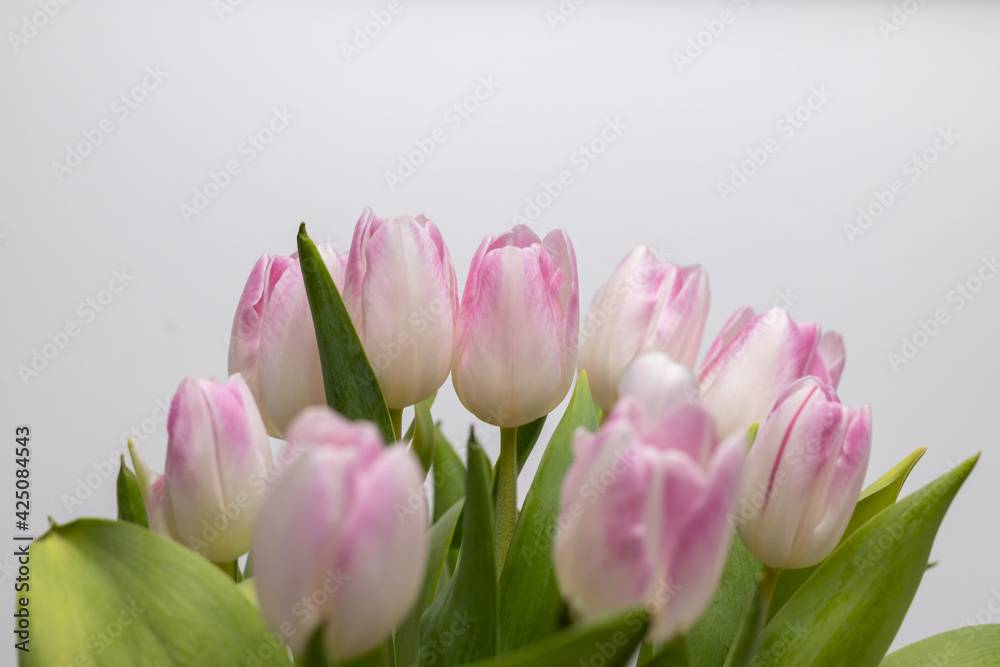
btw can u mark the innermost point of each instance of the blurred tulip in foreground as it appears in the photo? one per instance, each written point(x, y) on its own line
point(646, 504)
point(343, 528)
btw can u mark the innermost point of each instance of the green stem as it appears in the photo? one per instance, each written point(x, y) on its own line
point(506, 495)
point(396, 416)
point(744, 646)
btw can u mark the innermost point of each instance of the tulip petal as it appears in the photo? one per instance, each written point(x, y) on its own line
point(602, 528)
point(297, 527)
point(701, 545)
point(744, 381)
point(382, 552)
point(828, 364)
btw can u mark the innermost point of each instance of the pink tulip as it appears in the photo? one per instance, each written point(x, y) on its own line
point(400, 290)
point(645, 506)
point(273, 342)
point(218, 464)
point(755, 359)
point(515, 348)
point(341, 538)
point(648, 305)
point(803, 476)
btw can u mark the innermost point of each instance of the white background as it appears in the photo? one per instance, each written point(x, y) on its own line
point(890, 93)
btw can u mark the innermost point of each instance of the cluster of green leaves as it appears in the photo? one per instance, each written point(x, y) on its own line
point(112, 593)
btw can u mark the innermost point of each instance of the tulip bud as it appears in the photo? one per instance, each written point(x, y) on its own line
point(755, 359)
point(659, 383)
point(515, 348)
point(648, 305)
point(273, 343)
point(218, 464)
point(341, 539)
point(645, 509)
point(401, 293)
point(803, 476)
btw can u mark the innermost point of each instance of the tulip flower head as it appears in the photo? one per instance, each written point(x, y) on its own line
point(401, 292)
point(218, 464)
point(515, 348)
point(345, 526)
point(645, 505)
point(755, 358)
point(273, 343)
point(803, 476)
point(647, 305)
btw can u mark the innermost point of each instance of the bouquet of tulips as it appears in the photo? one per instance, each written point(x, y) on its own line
point(682, 513)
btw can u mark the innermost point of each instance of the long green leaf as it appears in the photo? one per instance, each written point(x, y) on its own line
point(971, 646)
point(531, 607)
point(608, 643)
point(449, 475)
point(882, 493)
point(713, 634)
point(131, 508)
point(848, 612)
point(407, 642)
point(424, 434)
point(460, 625)
point(113, 593)
point(675, 653)
point(351, 387)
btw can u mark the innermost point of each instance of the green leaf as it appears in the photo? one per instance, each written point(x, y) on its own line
point(848, 612)
point(971, 646)
point(460, 625)
point(531, 607)
point(424, 434)
point(880, 494)
point(713, 634)
point(449, 475)
point(130, 505)
point(675, 653)
point(138, 599)
point(408, 436)
point(351, 387)
point(439, 540)
point(607, 642)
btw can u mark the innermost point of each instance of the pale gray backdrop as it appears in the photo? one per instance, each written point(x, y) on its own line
point(163, 95)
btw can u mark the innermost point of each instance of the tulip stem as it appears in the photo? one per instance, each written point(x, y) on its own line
point(506, 495)
point(232, 570)
point(397, 422)
point(745, 644)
